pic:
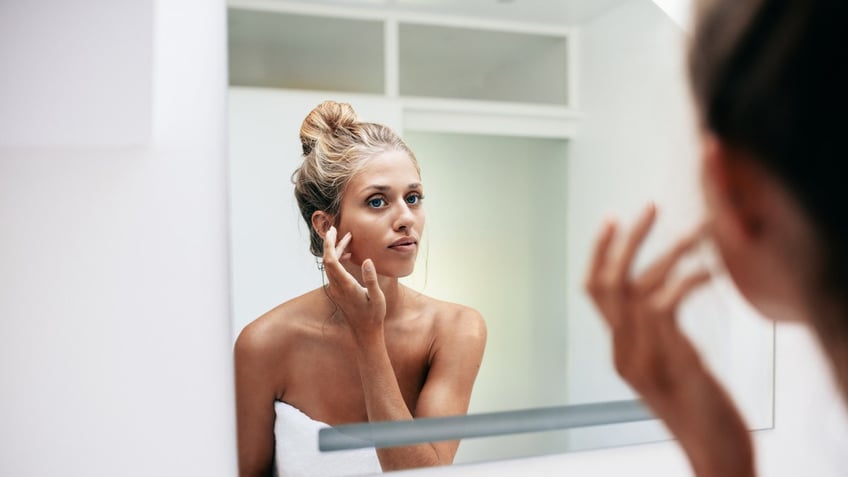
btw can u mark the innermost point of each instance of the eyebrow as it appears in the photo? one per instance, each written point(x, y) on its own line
point(384, 188)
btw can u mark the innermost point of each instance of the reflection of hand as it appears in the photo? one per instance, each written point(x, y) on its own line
point(657, 359)
point(364, 308)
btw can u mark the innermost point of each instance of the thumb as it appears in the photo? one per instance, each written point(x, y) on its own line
point(369, 276)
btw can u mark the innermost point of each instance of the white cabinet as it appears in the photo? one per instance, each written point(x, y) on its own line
point(447, 75)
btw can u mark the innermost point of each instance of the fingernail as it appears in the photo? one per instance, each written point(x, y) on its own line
point(368, 266)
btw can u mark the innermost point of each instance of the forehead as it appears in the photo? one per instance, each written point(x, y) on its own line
point(389, 168)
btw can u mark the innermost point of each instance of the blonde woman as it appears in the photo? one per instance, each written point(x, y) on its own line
point(364, 347)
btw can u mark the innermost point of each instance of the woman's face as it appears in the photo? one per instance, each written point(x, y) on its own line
point(381, 208)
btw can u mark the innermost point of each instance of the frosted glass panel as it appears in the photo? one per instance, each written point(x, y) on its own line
point(465, 63)
point(283, 50)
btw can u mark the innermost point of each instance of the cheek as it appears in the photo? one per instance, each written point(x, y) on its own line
point(362, 244)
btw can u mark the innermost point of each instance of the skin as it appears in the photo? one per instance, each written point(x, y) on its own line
point(767, 245)
point(363, 348)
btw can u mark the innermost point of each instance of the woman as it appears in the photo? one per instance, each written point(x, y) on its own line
point(363, 347)
point(770, 90)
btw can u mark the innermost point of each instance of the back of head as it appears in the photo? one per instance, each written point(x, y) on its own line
point(770, 77)
point(335, 146)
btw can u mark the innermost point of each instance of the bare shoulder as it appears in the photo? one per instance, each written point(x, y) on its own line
point(268, 335)
point(456, 320)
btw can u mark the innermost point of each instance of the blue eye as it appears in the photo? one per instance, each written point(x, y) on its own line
point(413, 199)
point(376, 202)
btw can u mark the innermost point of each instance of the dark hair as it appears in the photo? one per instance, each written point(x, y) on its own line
point(771, 78)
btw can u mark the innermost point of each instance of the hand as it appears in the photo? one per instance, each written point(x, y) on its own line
point(657, 359)
point(650, 351)
point(364, 308)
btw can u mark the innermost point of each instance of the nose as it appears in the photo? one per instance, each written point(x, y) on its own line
point(405, 218)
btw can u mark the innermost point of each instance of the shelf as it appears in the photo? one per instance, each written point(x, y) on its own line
point(448, 76)
point(487, 117)
point(482, 64)
point(293, 51)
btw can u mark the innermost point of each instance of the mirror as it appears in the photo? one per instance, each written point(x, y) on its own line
point(522, 159)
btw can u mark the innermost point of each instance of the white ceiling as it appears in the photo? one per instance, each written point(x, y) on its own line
point(561, 12)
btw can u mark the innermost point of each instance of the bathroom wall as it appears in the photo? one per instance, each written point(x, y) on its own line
point(114, 309)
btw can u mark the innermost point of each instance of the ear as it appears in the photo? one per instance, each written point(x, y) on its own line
point(733, 184)
point(321, 222)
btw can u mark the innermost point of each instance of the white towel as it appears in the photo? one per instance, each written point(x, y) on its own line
point(297, 453)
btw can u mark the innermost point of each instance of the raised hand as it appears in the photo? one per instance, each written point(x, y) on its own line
point(654, 356)
point(364, 307)
point(650, 351)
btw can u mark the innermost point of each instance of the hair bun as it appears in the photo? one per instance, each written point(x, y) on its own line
point(325, 120)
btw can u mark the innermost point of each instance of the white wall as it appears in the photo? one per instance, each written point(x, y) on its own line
point(114, 326)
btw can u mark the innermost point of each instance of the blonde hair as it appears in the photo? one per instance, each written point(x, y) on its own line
point(336, 145)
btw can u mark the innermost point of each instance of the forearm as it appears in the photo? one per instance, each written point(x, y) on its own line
point(384, 402)
point(709, 428)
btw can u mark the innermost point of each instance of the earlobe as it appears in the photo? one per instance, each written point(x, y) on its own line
point(321, 222)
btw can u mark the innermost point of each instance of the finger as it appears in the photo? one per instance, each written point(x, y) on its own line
point(329, 244)
point(369, 277)
point(599, 255)
point(672, 297)
point(657, 273)
point(634, 241)
point(336, 273)
point(343, 243)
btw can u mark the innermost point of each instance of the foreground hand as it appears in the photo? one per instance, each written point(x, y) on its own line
point(653, 355)
point(650, 351)
point(364, 308)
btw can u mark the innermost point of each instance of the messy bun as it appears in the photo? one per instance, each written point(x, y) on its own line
point(335, 146)
point(328, 117)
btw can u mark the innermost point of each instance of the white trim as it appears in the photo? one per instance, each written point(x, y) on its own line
point(572, 70)
point(501, 123)
point(361, 13)
point(488, 107)
point(391, 59)
point(384, 13)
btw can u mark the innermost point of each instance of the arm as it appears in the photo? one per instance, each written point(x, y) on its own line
point(454, 364)
point(653, 355)
point(255, 397)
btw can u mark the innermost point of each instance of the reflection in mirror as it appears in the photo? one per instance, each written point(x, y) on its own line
point(515, 188)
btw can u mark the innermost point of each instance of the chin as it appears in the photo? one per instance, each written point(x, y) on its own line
point(394, 273)
point(395, 270)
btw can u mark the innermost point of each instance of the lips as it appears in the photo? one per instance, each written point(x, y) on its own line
point(404, 244)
